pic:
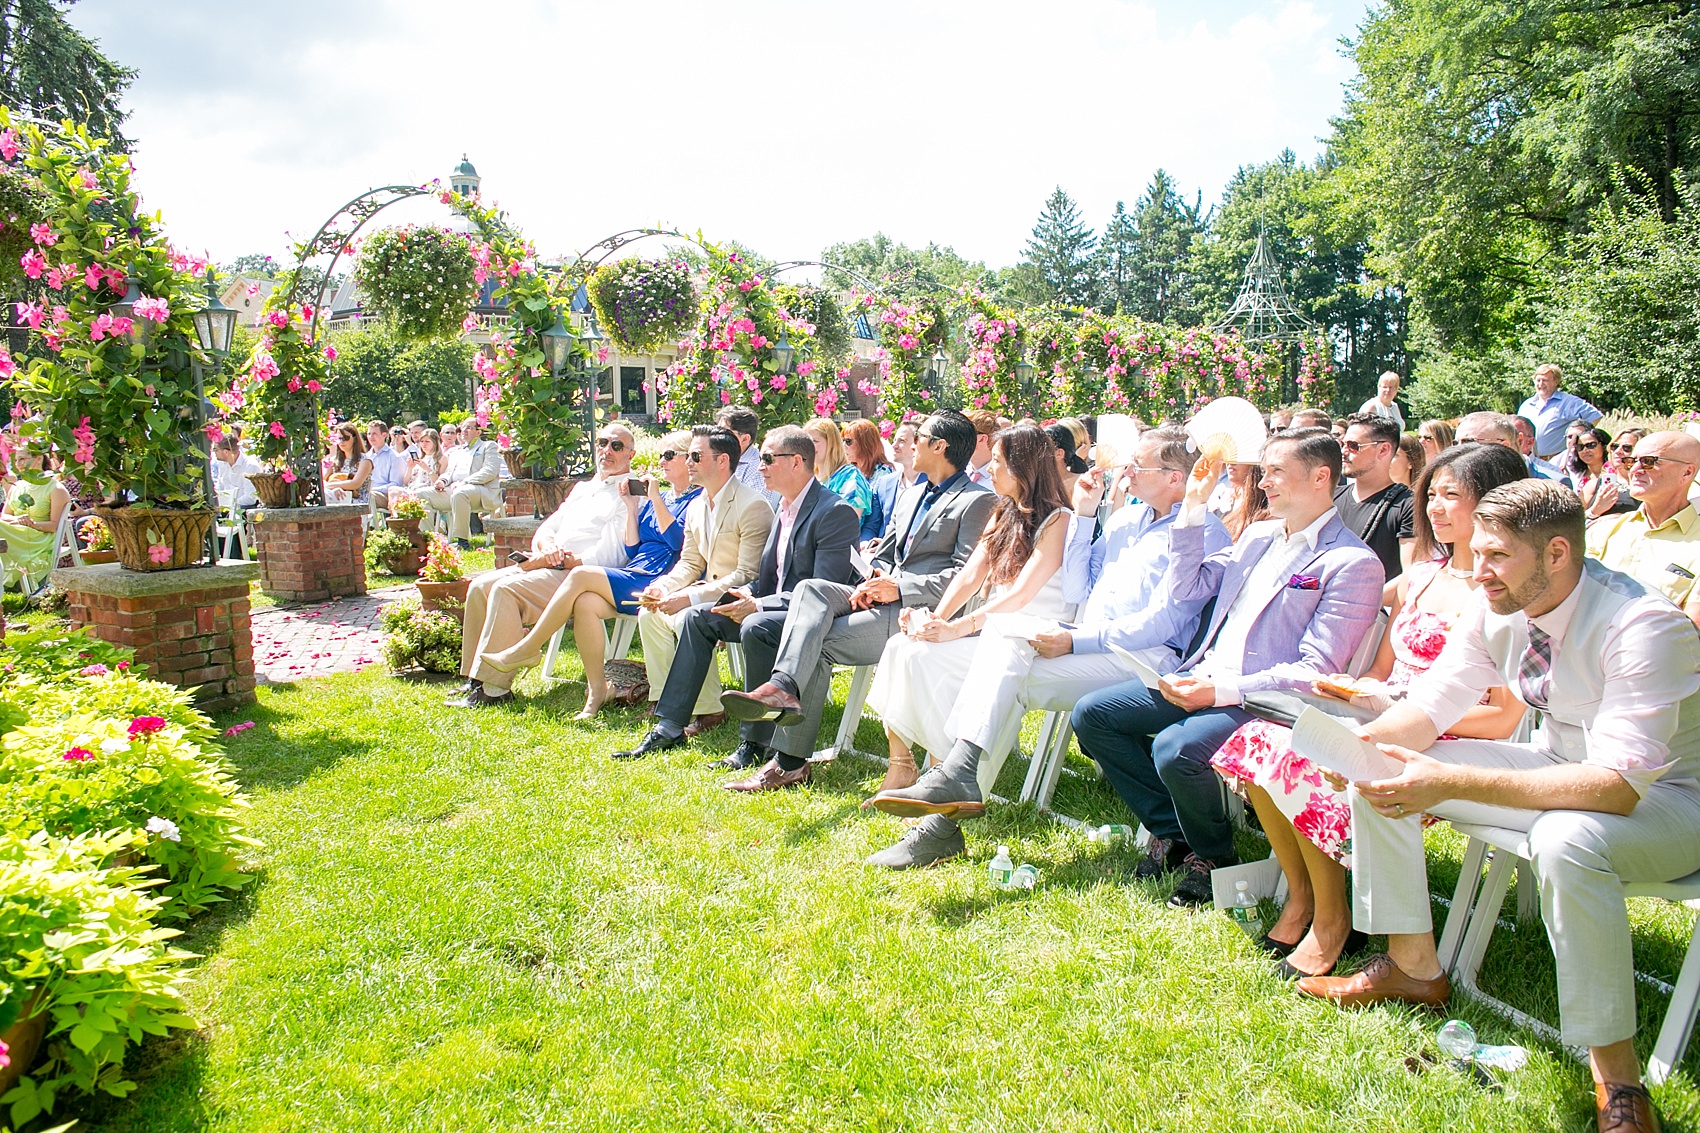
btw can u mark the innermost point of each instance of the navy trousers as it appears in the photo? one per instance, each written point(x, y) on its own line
point(1157, 757)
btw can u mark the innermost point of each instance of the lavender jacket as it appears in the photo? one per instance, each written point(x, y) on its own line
point(1302, 634)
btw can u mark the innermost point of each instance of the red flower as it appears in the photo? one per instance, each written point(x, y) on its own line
point(142, 725)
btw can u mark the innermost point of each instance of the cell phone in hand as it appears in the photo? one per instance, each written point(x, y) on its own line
point(637, 486)
point(518, 557)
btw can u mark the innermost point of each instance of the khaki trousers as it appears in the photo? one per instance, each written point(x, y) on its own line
point(499, 605)
point(660, 635)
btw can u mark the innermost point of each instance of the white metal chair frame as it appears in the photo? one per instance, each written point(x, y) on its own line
point(229, 527)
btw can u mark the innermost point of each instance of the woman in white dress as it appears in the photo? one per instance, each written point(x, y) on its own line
point(1015, 567)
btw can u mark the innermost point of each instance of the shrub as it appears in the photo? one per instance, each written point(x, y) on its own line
point(421, 639)
point(113, 694)
point(81, 945)
point(442, 562)
point(408, 508)
point(383, 545)
point(50, 653)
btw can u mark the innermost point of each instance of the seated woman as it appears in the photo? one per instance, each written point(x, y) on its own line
point(1015, 565)
point(1308, 822)
point(348, 480)
point(655, 534)
point(833, 467)
point(423, 470)
point(1070, 464)
point(35, 503)
point(866, 451)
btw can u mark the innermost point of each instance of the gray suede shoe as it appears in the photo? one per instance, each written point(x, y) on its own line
point(928, 842)
point(948, 790)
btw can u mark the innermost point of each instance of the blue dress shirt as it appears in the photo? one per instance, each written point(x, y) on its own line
point(1552, 419)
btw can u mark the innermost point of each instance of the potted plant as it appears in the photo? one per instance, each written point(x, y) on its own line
point(442, 580)
point(393, 551)
point(96, 537)
point(421, 639)
point(405, 517)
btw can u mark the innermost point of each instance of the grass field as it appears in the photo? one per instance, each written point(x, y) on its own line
point(479, 921)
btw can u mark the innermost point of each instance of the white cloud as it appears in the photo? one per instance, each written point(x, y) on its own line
point(785, 125)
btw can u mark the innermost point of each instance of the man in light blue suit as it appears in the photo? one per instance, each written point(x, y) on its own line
point(1294, 598)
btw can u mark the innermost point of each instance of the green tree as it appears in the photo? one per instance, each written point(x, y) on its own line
point(255, 265)
point(1118, 253)
point(51, 70)
point(377, 375)
point(1060, 254)
point(1166, 227)
point(898, 268)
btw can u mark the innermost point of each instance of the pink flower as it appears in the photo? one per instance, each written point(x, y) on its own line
point(33, 263)
point(93, 276)
point(31, 313)
point(330, 354)
point(122, 665)
point(5, 1052)
point(159, 553)
point(289, 475)
point(144, 725)
point(264, 368)
point(85, 443)
point(8, 144)
point(77, 754)
point(908, 342)
point(314, 386)
point(278, 319)
point(238, 729)
point(306, 311)
point(214, 431)
point(95, 670)
point(294, 385)
point(7, 366)
point(277, 430)
point(89, 180)
point(253, 289)
point(156, 309)
point(42, 233)
point(56, 277)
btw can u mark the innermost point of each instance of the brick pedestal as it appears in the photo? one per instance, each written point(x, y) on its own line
point(508, 535)
point(309, 554)
point(189, 627)
point(517, 502)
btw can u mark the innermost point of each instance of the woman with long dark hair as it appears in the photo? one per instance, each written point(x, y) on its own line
point(1015, 568)
point(1588, 470)
point(350, 467)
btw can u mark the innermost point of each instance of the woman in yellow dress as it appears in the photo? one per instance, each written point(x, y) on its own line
point(35, 503)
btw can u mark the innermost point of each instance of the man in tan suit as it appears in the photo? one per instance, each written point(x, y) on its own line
point(588, 528)
point(726, 529)
point(480, 490)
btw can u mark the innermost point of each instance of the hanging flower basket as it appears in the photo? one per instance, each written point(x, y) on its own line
point(643, 304)
point(418, 279)
point(155, 538)
point(548, 495)
point(272, 489)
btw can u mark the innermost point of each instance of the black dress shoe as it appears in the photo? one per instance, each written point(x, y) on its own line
point(1276, 949)
point(461, 690)
point(478, 698)
point(1161, 856)
point(1355, 942)
point(1195, 889)
point(655, 741)
point(745, 756)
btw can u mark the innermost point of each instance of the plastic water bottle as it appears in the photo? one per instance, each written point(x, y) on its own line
point(1024, 877)
point(1001, 868)
point(1457, 1039)
point(1244, 911)
point(1111, 834)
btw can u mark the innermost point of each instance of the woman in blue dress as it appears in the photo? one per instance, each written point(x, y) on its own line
point(833, 467)
point(655, 534)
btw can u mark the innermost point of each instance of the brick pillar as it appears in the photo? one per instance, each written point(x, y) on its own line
point(517, 502)
point(309, 554)
point(189, 627)
point(513, 534)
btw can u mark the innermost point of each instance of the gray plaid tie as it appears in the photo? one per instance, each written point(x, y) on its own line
point(1534, 675)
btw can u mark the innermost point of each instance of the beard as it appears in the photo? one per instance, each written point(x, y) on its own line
point(1517, 597)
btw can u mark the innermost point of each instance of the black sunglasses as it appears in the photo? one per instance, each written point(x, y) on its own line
point(694, 457)
point(613, 444)
point(1651, 463)
point(770, 457)
point(667, 454)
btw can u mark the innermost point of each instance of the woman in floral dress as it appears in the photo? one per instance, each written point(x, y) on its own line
point(1309, 823)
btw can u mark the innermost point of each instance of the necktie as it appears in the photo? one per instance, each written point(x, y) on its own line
point(1534, 675)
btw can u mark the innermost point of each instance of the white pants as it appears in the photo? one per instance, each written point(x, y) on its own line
point(660, 636)
point(459, 502)
point(1007, 680)
point(1582, 860)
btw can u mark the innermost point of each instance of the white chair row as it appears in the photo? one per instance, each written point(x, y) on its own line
point(620, 632)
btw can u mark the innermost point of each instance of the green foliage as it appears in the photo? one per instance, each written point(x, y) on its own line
point(1159, 276)
point(643, 304)
point(45, 654)
point(419, 280)
point(442, 562)
point(898, 270)
point(51, 70)
point(911, 332)
point(116, 695)
point(820, 310)
point(22, 203)
point(1061, 253)
point(82, 946)
point(383, 545)
point(421, 639)
point(407, 507)
point(379, 375)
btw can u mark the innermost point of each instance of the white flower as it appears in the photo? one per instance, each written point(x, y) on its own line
point(114, 746)
point(165, 828)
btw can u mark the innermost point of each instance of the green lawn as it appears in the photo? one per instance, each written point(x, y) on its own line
point(470, 922)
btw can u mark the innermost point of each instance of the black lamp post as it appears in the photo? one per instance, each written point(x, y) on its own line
point(591, 340)
point(1024, 381)
point(215, 326)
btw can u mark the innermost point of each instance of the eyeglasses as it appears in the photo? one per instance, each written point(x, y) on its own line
point(612, 444)
point(927, 437)
point(770, 457)
point(667, 454)
point(694, 457)
point(1651, 463)
point(1582, 446)
point(1358, 446)
point(1136, 469)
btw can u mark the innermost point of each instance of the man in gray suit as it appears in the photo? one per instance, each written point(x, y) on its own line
point(935, 529)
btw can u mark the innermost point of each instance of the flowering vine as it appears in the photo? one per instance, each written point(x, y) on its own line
point(911, 330)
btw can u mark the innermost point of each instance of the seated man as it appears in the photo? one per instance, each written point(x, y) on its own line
point(458, 494)
point(389, 467)
point(588, 527)
point(231, 469)
point(726, 528)
point(1658, 544)
point(742, 421)
point(1118, 583)
point(813, 532)
point(1607, 793)
point(935, 530)
point(1294, 598)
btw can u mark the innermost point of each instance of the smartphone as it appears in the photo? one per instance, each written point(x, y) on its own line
point(517, 557)
point(637, 486)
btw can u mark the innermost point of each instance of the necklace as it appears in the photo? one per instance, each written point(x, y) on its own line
point(1457, 572)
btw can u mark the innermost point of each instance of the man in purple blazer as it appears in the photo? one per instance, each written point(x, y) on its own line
point(1294, 598)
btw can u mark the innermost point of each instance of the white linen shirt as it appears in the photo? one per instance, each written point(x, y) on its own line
point(591, 523)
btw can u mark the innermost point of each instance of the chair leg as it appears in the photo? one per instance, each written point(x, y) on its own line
point(1483, 918)
point(735, 662)
point(620, 637)
point(553, 654)
point(1054, 761)
point(1463, 897)
point(992, 761)
point(854, 702)
point(1528, 893)
point(1678, 1026)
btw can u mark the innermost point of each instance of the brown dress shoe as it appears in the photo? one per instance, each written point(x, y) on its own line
point(1621, 1107)
point(701, 724)
point(1378, 980)
point(766, 702)
point(771, 777)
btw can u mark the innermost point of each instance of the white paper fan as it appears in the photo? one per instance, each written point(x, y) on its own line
point(1229, 429)
point(1117, 435)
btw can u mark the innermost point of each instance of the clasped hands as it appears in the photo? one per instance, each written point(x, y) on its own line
point(880, 589)
point(553, 557)
point(923, 624)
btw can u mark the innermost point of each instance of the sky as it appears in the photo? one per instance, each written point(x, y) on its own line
point(786, 126)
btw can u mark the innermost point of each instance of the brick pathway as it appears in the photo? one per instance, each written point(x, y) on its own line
point(343, 635)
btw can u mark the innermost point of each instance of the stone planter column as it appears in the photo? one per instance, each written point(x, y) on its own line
point(310, 554)
point(189, 627)
point(512, 534)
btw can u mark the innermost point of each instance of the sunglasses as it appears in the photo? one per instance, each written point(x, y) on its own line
point(1627, 446)
point(667, 454)
point(1651, 463)
point(770, 457)
point(927, 437)
point(1584, 445)
point(1358, 446)
point(694, 457)
point(612, 444)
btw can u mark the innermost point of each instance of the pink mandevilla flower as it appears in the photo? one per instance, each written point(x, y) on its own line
point(85, 443)
point(42, 233)
point(143, 725)
point(156, 309)
point(330, 354)
point(7, 366)
point(33, 263)
point(277, 430)
point(294, 385)
point(8, 144)
point(89, 180)
point(314, 387)
point(77, 754)
point(95, 670)
point(31, 313)
point(159, 553)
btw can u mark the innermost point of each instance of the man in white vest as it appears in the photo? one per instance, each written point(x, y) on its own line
point(1608, 792)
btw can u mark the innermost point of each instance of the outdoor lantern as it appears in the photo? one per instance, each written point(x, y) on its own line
point(783, 354)
point(558, 345)
point(940, 361)
point(1024, 373)
point(592, 338)
point(215, 323)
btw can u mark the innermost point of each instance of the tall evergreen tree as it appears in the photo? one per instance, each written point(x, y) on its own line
point(1118, 255)
point(1060, 253)
point(51, 70)
point(1166, 227)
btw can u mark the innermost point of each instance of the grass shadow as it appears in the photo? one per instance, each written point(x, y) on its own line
point(169, 1073)
point(265, 760)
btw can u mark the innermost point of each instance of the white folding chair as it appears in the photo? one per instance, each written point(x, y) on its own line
point(619, 643)
point(229, 527)
point(1369, 646)
point(845, 744)
point(64, 541)
point(735, 662)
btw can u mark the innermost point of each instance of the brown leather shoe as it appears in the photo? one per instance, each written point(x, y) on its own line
point(1378, 980)
point(764, 702)
point(1621, 1107)
point(701, 724)
point(771, 777)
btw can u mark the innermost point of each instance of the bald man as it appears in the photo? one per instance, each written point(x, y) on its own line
point(1657, 544)
point(1489, 429)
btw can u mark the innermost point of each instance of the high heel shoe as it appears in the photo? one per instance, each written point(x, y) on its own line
point(1355, 942)
point(491, 659)
point(1278, 949)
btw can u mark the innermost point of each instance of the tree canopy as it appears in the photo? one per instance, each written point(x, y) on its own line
point(51, 70)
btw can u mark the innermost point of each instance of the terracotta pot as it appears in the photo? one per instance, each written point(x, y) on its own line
point(407, 564)
point(443, 595)
point(272, 490)
point(547, 495)
point(137, 530)
point(23, 1041)
point(95, 558)
point(404, 526)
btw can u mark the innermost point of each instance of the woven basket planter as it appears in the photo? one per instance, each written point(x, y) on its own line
point(547, 495)
point(137, 530)
point(23, 1040)
point(272, 489)
point(515, 461)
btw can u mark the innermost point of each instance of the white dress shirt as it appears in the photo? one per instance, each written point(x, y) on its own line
point(233, 478)
point(591, 523)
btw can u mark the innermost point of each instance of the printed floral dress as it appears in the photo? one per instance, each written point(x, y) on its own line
point(1259, 752)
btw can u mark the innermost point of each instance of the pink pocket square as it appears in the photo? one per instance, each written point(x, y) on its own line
point(1305, 582)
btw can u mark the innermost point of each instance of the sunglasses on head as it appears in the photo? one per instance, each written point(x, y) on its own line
point(612, 444)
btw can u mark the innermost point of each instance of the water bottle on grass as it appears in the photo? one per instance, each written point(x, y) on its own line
point(1001, 868)
point(1024, 877)
point(1244, 911)
point(1112, 834)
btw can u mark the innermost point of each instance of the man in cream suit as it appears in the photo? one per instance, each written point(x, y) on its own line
point(1608, 793)
point(479, 491)
point(726, 529)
